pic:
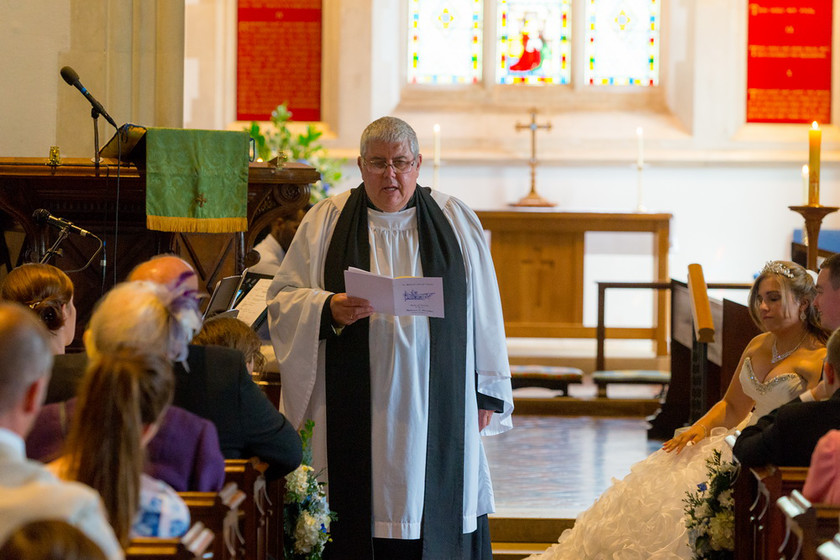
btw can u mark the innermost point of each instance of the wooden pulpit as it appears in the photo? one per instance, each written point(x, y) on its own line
point(109, 201)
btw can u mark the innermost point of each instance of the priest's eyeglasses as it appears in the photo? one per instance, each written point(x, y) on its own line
point(381, 166)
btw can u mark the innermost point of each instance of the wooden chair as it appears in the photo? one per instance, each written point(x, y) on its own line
point(219, 512)
point(603, 376)
point(192, 546)
point(556, 378)
point(249, 475)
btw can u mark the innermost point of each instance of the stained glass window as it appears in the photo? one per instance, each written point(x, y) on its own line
point(622, 42)
point(533, 41)
point(444, 41)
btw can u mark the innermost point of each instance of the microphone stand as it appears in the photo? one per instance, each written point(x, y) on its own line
point(94, 113)
point(54, 250)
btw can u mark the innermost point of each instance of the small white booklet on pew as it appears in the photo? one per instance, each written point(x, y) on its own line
point(406, 295)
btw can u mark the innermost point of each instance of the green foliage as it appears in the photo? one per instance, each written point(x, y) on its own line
point(709, 511)
point(303, 147)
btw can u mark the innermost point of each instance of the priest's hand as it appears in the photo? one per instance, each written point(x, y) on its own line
point(346, 310)
point(484, 417)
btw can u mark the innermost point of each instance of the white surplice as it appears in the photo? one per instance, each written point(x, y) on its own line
point(399, 356)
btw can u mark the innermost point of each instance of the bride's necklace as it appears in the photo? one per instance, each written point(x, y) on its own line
point(779, 357)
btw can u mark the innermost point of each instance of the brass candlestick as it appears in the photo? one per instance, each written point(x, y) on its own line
point(813, 214)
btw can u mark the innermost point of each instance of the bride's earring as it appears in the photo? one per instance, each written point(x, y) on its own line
point(802, 316)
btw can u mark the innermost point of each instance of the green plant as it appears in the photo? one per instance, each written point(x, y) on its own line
point(303, 147)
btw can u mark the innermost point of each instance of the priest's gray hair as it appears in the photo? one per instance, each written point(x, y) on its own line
point(391, 130)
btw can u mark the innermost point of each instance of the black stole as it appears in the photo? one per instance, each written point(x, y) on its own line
point(348, 389)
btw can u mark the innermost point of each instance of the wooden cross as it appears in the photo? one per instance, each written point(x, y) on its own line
point(533, 199)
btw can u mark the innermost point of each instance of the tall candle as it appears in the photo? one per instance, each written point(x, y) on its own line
point(805, 183)
point(437, 144)
point(640, 156)
point(814, 138)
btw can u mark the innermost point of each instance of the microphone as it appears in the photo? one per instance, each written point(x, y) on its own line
point(71, 77)
point(43, 216)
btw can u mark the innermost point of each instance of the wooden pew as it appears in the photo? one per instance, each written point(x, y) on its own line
point(734, 329)
point(830, 550)
point(191, 546)
point(249, 476)
point(768, 523)
point(800, 528)
point(808, 526)
point(219, 512)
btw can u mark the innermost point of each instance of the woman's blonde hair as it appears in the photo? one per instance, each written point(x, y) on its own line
point(231, 332)
point(121, 393)
point(796, 285)
point(41, 287)
point(49, 539)
point(146, 316)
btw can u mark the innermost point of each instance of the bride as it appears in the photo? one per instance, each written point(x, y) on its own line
point(642, 516)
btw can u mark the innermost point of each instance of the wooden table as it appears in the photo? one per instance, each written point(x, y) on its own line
point(538, 256)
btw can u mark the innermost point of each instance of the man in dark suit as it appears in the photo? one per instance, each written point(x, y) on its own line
point(787, 436)
point(215, 385)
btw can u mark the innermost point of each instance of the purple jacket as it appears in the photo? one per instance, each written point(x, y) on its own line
point(184, 453)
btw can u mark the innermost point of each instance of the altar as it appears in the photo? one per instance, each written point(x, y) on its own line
point(539, 259)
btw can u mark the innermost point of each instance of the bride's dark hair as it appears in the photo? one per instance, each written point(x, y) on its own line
point(796, 284)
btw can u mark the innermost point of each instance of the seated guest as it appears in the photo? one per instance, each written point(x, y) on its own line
point(787, 436)
point(49, 293)
point(28, 491)
point(823, 483)
point(273, 247)
point(185, 451)
point(121, 400)
point(215, 384)
point(231, 332)
point(49, 540)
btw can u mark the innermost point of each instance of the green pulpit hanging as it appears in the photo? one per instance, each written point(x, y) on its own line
point(196, 180)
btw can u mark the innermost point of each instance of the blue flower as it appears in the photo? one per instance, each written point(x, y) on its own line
point(702, 486)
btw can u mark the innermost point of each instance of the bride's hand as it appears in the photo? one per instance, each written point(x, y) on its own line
point(693, 434)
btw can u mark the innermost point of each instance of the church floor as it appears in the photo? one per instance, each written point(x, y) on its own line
point(556, 466)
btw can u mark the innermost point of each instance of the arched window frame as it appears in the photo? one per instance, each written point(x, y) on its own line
point(487, 95)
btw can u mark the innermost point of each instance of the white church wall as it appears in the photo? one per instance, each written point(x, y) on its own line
point(128, 55)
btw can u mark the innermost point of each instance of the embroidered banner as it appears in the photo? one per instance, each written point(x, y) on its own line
point(278, 59)
point(789, 61)
point(196, 180)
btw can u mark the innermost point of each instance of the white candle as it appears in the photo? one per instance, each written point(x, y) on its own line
point(640, 157)
point(437, 144)
point(805, 184)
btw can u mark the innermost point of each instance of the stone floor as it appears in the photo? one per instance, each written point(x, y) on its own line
point(556, 466)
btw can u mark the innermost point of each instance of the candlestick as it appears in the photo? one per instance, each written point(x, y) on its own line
point(640, 157)
point(814, 138)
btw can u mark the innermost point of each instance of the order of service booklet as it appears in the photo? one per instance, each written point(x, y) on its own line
point(406, 295)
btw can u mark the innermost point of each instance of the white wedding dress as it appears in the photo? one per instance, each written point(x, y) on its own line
point(642, 516)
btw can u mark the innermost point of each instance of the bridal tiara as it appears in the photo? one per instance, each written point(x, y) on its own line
point(777, 267)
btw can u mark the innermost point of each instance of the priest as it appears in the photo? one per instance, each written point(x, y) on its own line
point(399, 402)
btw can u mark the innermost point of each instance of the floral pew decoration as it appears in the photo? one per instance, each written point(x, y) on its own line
point(307, 515)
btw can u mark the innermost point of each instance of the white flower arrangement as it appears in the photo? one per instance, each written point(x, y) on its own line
point(306, 514)
point(709, 512)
